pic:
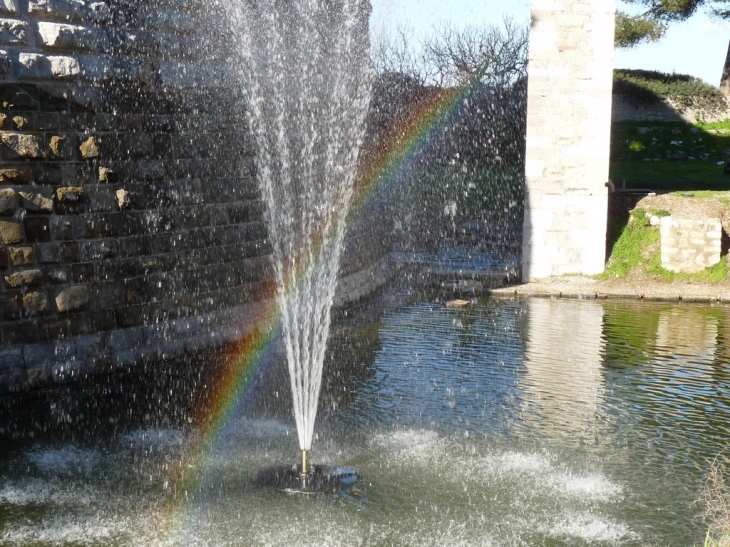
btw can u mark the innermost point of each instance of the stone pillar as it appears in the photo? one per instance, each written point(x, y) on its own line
point(568, 137)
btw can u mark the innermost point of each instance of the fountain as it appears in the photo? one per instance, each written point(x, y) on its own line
point(306, 76)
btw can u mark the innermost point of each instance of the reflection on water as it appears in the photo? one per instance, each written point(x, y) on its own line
point(534, 422)
point(563, 387)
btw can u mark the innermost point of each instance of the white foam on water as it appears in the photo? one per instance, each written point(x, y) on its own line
point(165, 438)
point(39, 491)
point(63, 531)
point(518, 462)
point(64, 461)
point(411, 447)
point(405, 438)
point(591, 528)
point(264, 429)
point(591, 486)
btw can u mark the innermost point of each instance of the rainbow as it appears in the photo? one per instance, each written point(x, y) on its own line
point(399, 150)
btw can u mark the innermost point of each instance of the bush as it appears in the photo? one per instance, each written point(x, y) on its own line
point(685, 92)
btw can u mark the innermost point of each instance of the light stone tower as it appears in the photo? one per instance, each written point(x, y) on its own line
point(568, 137)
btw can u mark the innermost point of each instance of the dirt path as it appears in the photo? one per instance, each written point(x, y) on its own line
point(635, 288)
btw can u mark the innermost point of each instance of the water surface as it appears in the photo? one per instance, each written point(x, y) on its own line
point(525, 422)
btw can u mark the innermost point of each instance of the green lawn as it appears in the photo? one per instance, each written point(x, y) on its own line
point(641, 155)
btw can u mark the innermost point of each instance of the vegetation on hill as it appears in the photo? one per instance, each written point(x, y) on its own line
point(684, 91)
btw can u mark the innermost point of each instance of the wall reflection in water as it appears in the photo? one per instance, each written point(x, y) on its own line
point(563, 387)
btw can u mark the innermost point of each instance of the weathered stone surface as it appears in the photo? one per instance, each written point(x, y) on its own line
point(4, 61)
point(37, 229)
point(28, 278)
point(48, 253)
point(14, 32)
point(35, 302)
point(37, 66)
point(11, 231)
point(21, 123)
point(8, 201)
point(21, 256)
point(69, 193)
point(4, 121)
point(21, 146)
point(58, 35)
point(89, 148)
point(73, 298)
point(106, 174)
point(124, 199)
point(36, 202)
point(67, 10)
point(690, 245)
point(62, 147)
point(16, 175)
point(66, 372)
point(9, 7)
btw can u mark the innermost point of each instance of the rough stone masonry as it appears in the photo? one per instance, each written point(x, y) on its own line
point(131, 228)
point(568, 137)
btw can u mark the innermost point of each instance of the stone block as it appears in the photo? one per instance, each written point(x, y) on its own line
point(46, 121)
point(20, 332)
point(21, 122)
point(11, 232)
point(16, 175)
point(9, 7)
point(24, 278)
point(36, 202)
point(69, 10)
point(89, 149)
point(61, 228)
point(8, 201)
point(14, 32)
point(11, 305)
point(47, 253)
point(82, 273)
point(74, 37)
point(72, 299)
point(11, 357)
point(69, 252)
point(21, 256)
point(62, 147)
point(67, 371)
point(38, 66)
point(689, 245)
point(35, 302)
point(70, 194)
point(58, 276)
point(36, 229)
point(15, 146)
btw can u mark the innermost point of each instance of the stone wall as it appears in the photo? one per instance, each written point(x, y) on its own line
point(131, 228)
point(690, 245)
point(568, 137)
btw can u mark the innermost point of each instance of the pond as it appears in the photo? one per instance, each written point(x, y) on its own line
point(505, 422)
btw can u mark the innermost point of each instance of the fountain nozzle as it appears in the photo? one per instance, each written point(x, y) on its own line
point(304, 470)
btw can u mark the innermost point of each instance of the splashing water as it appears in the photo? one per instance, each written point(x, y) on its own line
point(306, 76)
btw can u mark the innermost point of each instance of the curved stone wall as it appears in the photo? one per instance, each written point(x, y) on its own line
point(130, 224)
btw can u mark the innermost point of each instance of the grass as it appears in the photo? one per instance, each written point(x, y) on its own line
point(715, 499)
point(642, 155)
point(637, 248)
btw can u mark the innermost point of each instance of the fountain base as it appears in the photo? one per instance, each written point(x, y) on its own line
point(319, 479)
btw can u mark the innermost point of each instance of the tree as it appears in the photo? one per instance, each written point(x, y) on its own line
point(450, 57)
point(651, 24)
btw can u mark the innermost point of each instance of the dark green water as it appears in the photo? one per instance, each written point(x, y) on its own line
point(531, 422)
